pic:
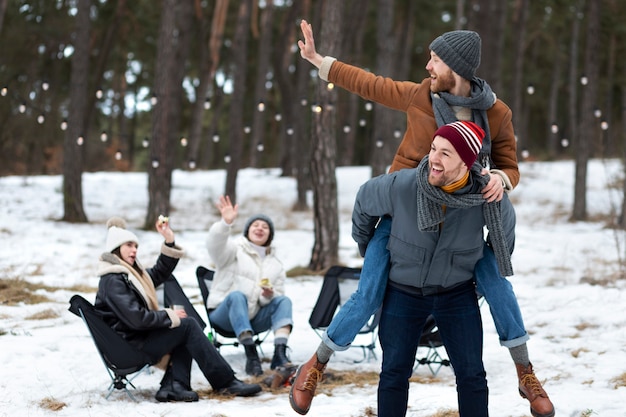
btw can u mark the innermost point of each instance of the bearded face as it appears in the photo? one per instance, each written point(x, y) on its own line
point(441, 76)
point(443, 82)
point(445, 165)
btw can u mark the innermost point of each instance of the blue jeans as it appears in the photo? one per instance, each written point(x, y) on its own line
point(458, 319)
point(355, 313)
point(364, 302)
point(232, 314)
point(498, 293)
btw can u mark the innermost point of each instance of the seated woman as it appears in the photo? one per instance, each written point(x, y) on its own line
point(127, 300)
point(248, 291)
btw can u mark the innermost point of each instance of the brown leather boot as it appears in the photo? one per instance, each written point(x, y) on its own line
point(304, 385)
point(530, 388)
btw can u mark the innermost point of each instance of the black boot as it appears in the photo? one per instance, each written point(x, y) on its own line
point(175, 391)
point(280, 356)
point(253, 363)
point(240, 389)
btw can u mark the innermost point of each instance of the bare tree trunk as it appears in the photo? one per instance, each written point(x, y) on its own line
point(211, 157)
point(209, 60)
point(172, 53)
point(202, 96)
point(348, 114)
point(302, 135)
point(622, 218)
point(553, 101)
point(286, 82)
point(607, 144)
point(489, 20)
point(325, 213)
point(76, 136)
point(382, 144)
point(572, 103)
point(460, 7)
point(240, 54)
point(518, 73)
point(587, 120)
point(3, 9)
point(260, 93)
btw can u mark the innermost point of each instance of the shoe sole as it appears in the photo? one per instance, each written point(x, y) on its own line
point(533, 412)
point(291, 400)
point(172, 398)
point(243, 393)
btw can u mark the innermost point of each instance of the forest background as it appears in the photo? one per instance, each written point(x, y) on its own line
point(154, 86)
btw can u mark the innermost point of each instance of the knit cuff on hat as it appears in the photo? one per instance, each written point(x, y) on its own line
point(324, 70)
point(506, 182)
point(173, 252)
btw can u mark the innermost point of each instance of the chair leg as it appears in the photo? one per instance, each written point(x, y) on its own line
point(122, 382)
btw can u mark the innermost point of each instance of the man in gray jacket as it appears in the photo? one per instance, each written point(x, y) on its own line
point(438, 214)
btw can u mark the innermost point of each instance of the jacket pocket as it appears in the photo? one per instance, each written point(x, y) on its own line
point(407, 262)
point(463, 264)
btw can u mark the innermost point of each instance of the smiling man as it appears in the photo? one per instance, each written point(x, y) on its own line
point(452, 92)
point(438, 214)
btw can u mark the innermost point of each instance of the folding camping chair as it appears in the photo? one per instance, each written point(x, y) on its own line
point(339, 283)
point(431, 341)
point(205, 280)
point(120, 358)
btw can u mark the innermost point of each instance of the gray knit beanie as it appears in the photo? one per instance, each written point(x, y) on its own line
point(460, 50)
point(266, 219)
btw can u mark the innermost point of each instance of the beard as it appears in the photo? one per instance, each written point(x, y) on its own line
point(443, 83)
point(447, 176)
point(437, 181)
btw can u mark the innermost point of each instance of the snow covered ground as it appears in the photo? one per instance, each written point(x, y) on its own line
point(565, 280)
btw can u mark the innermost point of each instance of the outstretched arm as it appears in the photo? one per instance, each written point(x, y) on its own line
point(307, 47)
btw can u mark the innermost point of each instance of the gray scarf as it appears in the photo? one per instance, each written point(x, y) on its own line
point(430, 214)
point(480, 100)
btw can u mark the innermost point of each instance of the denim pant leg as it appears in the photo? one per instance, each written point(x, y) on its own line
point(191, 340)
point(460, 325)
point(401, 323)
point(232, 314)
point(368, 297)
point(277, 314)
point(498, 293)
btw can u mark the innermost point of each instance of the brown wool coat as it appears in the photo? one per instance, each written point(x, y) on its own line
point(414, 100)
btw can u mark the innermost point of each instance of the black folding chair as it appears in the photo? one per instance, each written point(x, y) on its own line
point(205, 280)
point(122, 360)
point(338, 285)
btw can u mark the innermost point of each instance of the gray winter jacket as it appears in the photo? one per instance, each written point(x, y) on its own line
point(432, 262)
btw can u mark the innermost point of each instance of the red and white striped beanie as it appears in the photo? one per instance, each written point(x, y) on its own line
point(466, 137)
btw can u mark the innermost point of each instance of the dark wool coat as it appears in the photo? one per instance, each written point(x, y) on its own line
point(120, 301)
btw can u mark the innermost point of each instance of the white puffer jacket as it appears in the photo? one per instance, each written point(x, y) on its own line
point(239, 267)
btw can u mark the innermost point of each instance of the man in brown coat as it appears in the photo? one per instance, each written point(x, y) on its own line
point(451, 92)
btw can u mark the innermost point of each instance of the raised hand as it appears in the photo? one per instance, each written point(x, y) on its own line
point(226, 208)
point(307, 47)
